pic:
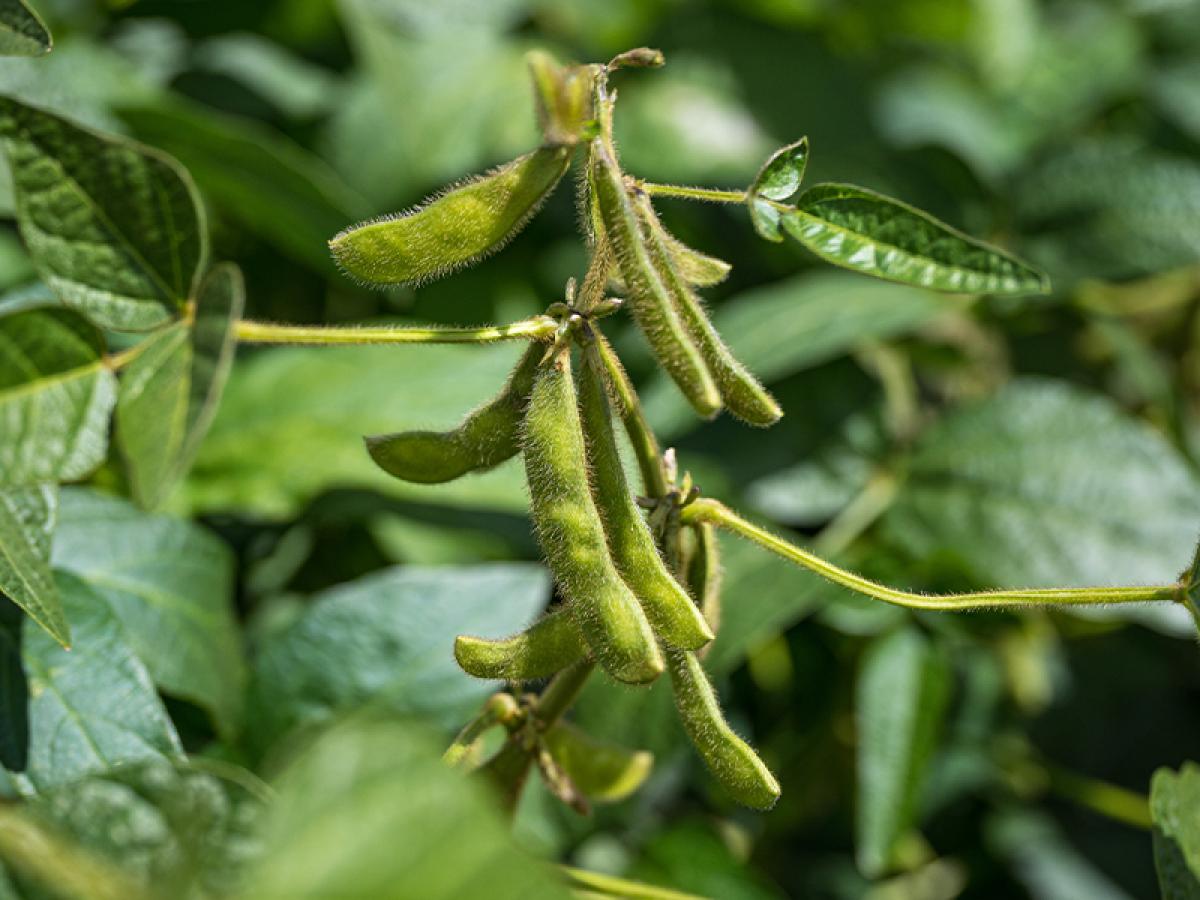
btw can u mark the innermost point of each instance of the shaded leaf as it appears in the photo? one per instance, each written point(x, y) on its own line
point(1175, 808)
point(859, 229)
point(779, 180)
point(169, 583)
point(55, 397)
point(114, 228)
point(21, 31)
point(900, 700)
point(14, 696)
point(27, 517)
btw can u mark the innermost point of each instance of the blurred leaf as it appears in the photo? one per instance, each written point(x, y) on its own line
point(691, 856)
point(115, 229)
point(27, 517)
point(420, 829)
point(779, 179)
point(21, 31)
point(14, 697)
point(386, 640)
point(1046, 484)
point(293, 85)
point(304, 409)
point(903, 687)
point(169, 584)
point(170, 392)
point(55, 397)
point(601, 770)
point(1175, 807)
point(91, 707)
point(1176, 89)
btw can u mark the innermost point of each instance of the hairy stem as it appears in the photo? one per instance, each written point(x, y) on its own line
point(561, 692)
point(537, 328)
point(709, 195)
point(722, 516)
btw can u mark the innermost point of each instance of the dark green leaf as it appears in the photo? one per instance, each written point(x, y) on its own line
point(1175, 807)
point(900, 699)
point(859, 229)
point(419, 829)
point(21, 31)
point(55, 398)
point(26, 523)
point(778, 180)
point(387, 640)
point(169, 583)
point(14, 696)
point(114, 228)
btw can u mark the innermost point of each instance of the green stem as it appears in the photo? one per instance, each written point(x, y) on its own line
point(645, 445)
point(611, 886)
point(537, 328)
point(1109, 800)
point(722, 516)
point(710, 195)
point(561, 692)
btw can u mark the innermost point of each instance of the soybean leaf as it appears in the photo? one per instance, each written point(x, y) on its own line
point(169, 584)
point(114, 228)
point(859, 229)
point(1175, 808)
point(55, 397)
point(386, 640)
point(778, 180)
point(91, 707)
point(900, 700)
point(14, 695)
point(170, 392)
point(421, 830)
point(1047, 484)
point(21, 31)
point(290, 83)
point(26, 522)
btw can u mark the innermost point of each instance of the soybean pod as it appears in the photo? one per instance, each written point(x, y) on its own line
point(704, 574)
point(675, 618)
point(648, 298)
point(485, 438)
point(728, 757)
point(570, 532)
point(740, 391)
point(453, 229)
point(548, 645)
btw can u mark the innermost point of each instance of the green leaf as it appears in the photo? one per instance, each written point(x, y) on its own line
point(900, 699)
point(21, 31)
point(55, 398)
point(169, 583)
point(92, 707)
point(370, 811)
point(601, 770)
point(14, 697)
point(387, 640)
point(170, 392)
point(779, 179)
point(859, 229)
point(26, 523)
point(114, 228)
point(1175, 808)
point(1045, 484)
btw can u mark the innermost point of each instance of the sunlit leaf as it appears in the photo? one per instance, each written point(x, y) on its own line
point(778, 180)
point(27, 517)
point(21, 31)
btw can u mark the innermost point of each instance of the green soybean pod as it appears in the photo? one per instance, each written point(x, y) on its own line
point(571, 535)
point(698, 269)
point(704, 574)
point(652, 307)
point(485, 438)
point(740, 391)
point(455, 228)
point(728, 757)
point(675, 618)
point(551, 643)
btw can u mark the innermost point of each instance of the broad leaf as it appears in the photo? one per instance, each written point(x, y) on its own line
point(1175, 807)
point(91, 707)
point(1044, 484)
point(21, 31)
point(859, 229)
point(778, 180)
point(26, 522)
point(420, 829)
point(900, 699)
point(387, 640)
point(170, 392)
point(169, 583)
point(114, 228)
point(55, 398)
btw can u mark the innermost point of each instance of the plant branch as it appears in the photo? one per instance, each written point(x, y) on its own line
point(537, 328)
point(561, 692)
point(610, 886)
point(1117, 803)
point(709, 195)
point(722, 516)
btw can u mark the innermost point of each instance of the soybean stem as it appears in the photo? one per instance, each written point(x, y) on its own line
point(610, 886)
point(558, 696)
point(1117, 803)
point(710, 195)
point(718, 514)
point(537, 328)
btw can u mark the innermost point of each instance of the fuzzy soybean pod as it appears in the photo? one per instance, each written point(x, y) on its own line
point(485, 438)
point(548, 645)
point(740, 391)
point(704, 575)
point(455, 228)
point(675, 618)
point(728, 757)
point(571, 535)
point(652, 306)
